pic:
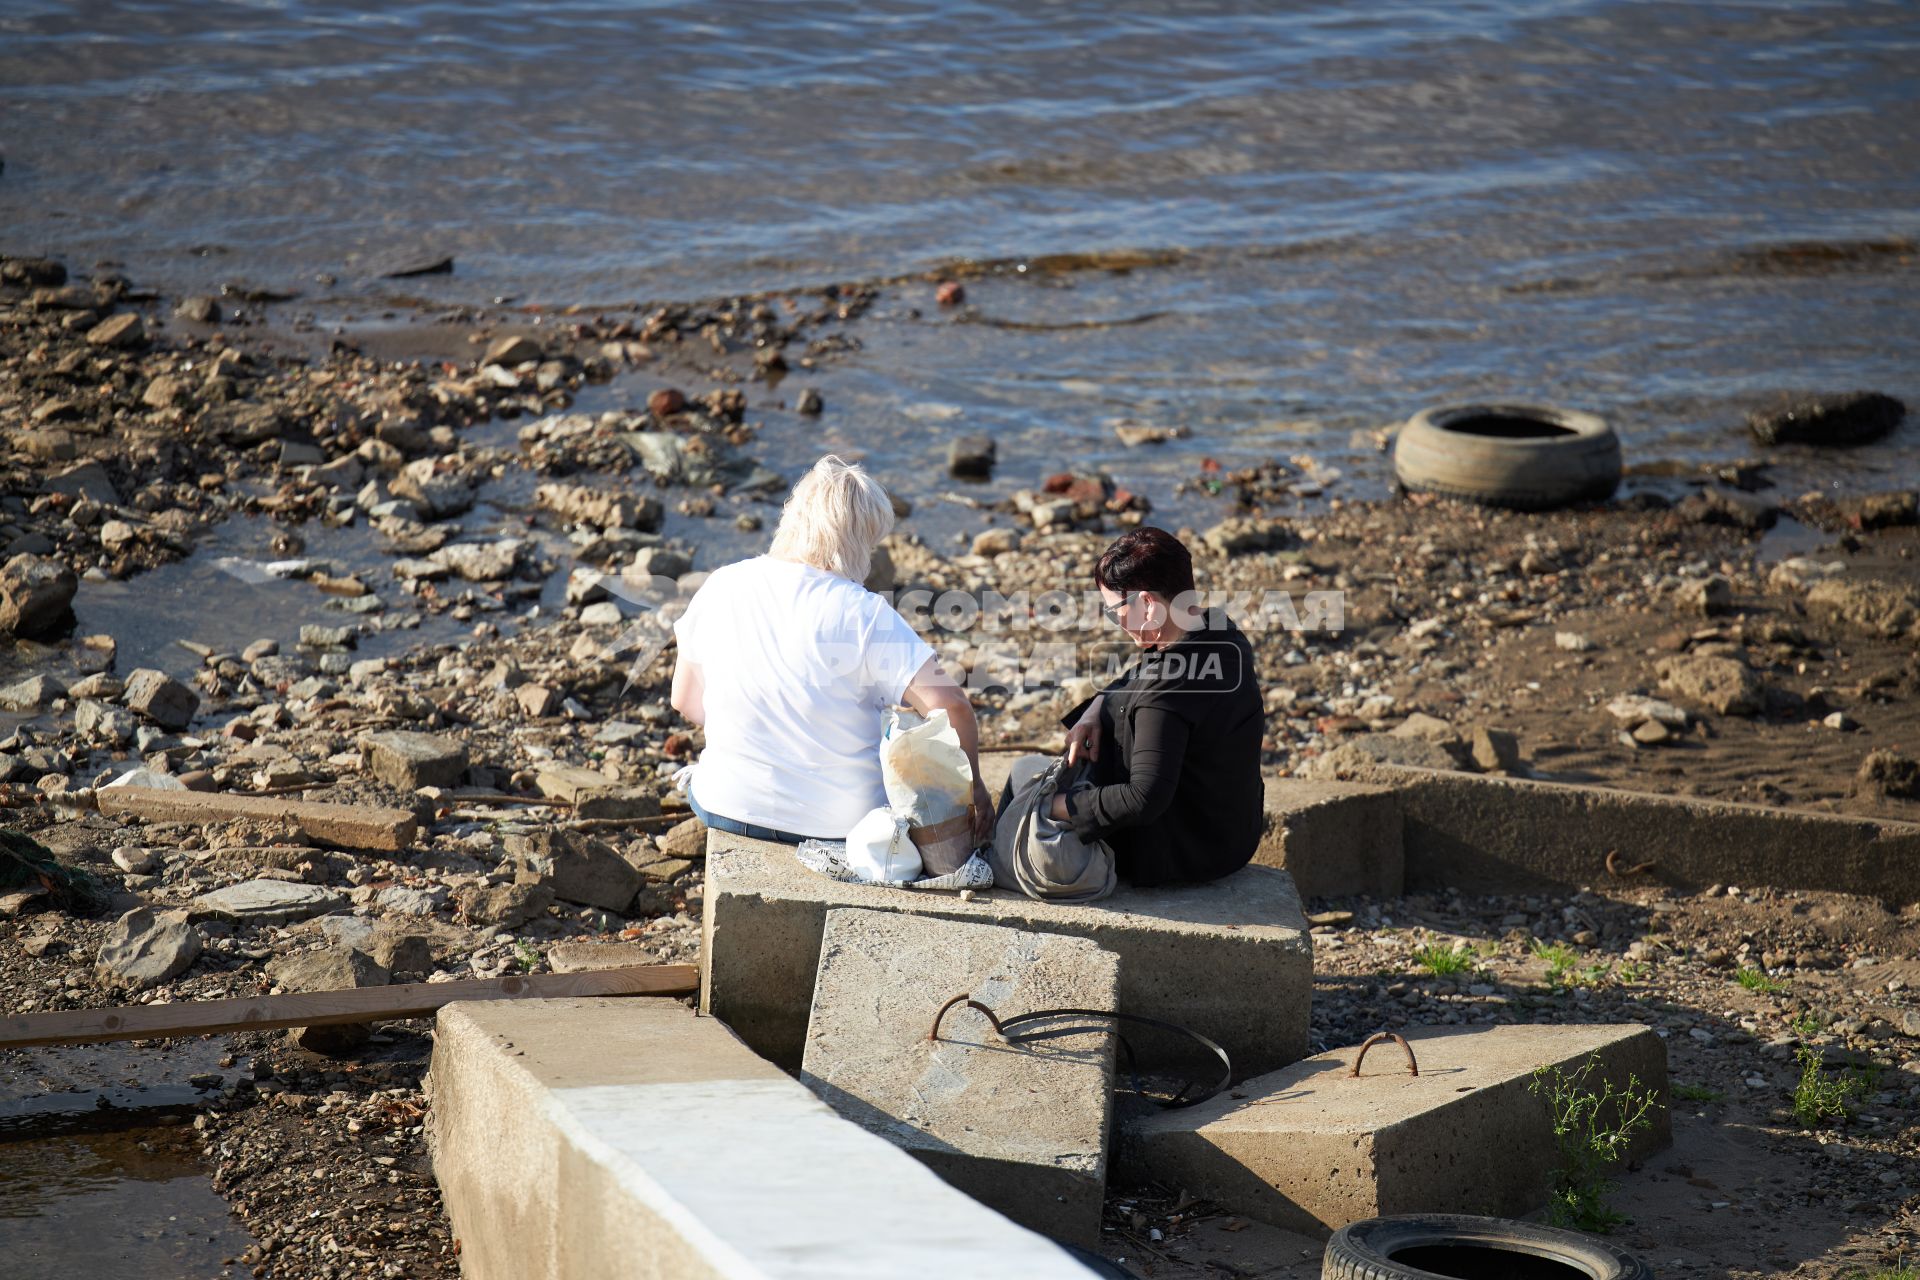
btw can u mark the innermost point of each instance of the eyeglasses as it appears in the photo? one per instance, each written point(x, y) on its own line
point(1113, 611)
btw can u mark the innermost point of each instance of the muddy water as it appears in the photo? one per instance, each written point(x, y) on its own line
point(99, 1170)
point(1660, 212)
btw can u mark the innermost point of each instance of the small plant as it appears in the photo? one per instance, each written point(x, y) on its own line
point(1697, 1093)
point(1806, 1025)
point(1591, 1131)
point(1560, 959)
point(1634, 971)
point(525, 957)
point(1757, 981)
point(1901, 1272)
point(1443, 961)
point(1819, 1097)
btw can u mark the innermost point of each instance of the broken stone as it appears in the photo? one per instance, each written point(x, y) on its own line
point(1244, 535)
point(1496, 749)
point(200, 309)
point(1723, 685)
point(1853, 418)
point(602, 510)
point(409, 760)
point(1633, 708)
point(437, 489)
point(996, 541)
point(36, 595)
point(161, 699)
point(659, 562)
point(122, 332)
point(512, 351)
point(537, 700)
point(1708, 596)
point(330, 969)
point(684, 840)
point(576, 867)
point(972, 457)
point(135, 860)
point(480, 561)
point(1869, 605)
point(97, 721)
point(508, 905)
point(144, 948)
point(1888, 773)
point(35, 693)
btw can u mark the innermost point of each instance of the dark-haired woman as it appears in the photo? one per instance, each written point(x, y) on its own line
point(1174, 741)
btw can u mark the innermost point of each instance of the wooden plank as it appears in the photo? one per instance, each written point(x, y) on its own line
point(329, 1008)
point(352, 826)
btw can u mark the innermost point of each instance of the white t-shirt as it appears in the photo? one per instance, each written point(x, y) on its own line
point(798, 666)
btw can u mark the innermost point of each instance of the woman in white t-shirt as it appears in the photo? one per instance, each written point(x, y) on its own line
point(790, 664)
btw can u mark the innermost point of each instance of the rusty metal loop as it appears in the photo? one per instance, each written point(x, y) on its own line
point(966, 998)
point(1623, 872)
point(1413, 1067)
point(1036, 1015)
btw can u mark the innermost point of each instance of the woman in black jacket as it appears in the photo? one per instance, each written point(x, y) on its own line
point(1174, 741)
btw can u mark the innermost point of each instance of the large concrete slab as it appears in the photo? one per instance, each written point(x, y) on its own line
point(1230, 959)
point(1022, 1128)
point(578, 1139)
point(1336, 839)
point(1487, 834)
point(1310, 1148)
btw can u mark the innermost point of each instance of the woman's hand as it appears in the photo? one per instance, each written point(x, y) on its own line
point(1083, 740)
point(982, 811)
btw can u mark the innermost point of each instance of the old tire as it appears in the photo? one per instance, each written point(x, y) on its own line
point(1529, 457)
point(1451, 1246)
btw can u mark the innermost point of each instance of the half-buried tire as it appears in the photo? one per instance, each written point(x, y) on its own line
point(1529, 457)
point(1448, 1246)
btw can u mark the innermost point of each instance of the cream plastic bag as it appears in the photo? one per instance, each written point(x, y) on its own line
point(924, 768)
point(879, 851)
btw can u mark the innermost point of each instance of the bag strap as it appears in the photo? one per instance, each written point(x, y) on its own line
point(958, 825)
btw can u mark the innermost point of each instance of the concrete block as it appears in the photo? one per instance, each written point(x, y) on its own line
point(1022, 1129)
point(1310, 1148)
point(1230, 959)
point(1496, 835)
point(1335, 838)
point(582, 1139)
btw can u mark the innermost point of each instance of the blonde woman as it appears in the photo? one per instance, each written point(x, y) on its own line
point(790, 663)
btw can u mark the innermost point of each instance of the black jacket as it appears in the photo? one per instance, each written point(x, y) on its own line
point(1178, 792)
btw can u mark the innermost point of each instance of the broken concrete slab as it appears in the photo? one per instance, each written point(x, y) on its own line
point(413, 760)
point(1335, 839)
point(627, 1137)
point(265, 902)
point(1188, 953)
point(350, 826)
point(511, 905)
point(1498, 835)
point(1310, 1148)
point(581, 955)
point(1022, 1129)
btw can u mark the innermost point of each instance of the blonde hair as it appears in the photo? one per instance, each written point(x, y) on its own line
point(834, 518)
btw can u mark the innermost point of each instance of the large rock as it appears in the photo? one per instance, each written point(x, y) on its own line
point(1888, 773)
point(328, 969)
point(123, 332)
point(576, 867)
point(265, 902)
point(95, 721)
point(507, 905)
point(438, 490)
point(144, 948)
point(1856, 417)
point(413, 760)
point(161, 699)
point(481, 561)
point(36, 595)
point(1869, 605)
point(597, 507)
point(1723, 685)
point(972, 457)
point(1244, 535)
point(1025, 1131)
point(35, 693)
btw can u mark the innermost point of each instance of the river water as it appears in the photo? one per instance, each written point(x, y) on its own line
point(1661, 212)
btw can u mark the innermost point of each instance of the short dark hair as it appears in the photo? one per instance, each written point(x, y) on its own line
point(1146, 559)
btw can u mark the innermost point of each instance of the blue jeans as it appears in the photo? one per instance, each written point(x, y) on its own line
point(733, 826)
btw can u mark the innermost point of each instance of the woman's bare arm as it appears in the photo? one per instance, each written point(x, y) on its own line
point(932, 689)
point(689, 696)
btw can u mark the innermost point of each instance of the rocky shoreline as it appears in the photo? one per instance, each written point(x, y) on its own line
point(1736, 643)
